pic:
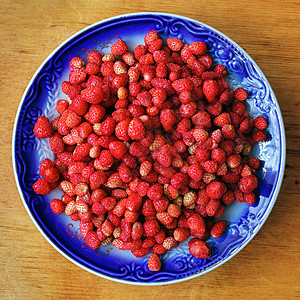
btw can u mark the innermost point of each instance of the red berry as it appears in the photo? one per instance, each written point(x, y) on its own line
point(198, 48)
point(215, 189)
point(92, 240)
point(240, 94)
point(57, 206)
point(119, 48)
point(117, 149)
point(218, 229)
point(248, 183)
point(174, 44)
point(43, 128)
point(210, 90)
point(41, 186)
point(199, 248)
point(260, 123)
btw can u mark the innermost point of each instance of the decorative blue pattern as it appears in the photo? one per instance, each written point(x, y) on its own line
point(40, 98)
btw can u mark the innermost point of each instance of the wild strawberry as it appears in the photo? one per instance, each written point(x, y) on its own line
point(161, 70)
point(155, 192)
point(92, 240)
point(76, 63)
point(137, 149)
point(159, 141)
point(164, 218)
point(94, 57)
point(174, 44)
point(97, 179)
point(215, 189)
point(240, 94)
point(218, 229)
point(73, 119)
point(95, 114)
point(85, 227)
point(249, 198)
point(81, 206)
point(119, 67)
point(170, 243)
point(199, 249)
point(196, 223)
point(167, 118)
point(140, 252)
point(128, 58)
point(147, 59)
point(121, 130)
point(93, 94)
point(181, 234)
point(183, 84)
point(209, 166)
point(202, 198)
point(70, 208)
point(233, 161)
point(118, 149)
point(155, 45)
point(61, 106)
point(252, 162)
point(258, 136)
point(170, 191)
point(260, 123)
point(92, 68)
point(77, 76)
point(82, 150)
point(174, 210)
point(67, 187)
point(143, 188)
point(133, 202)
point(179, 180)
point(162, 83)
point(114, 181)
point(98, 208)
point(148, 208)
point(120, 80)
point(202, 118)
point(212, 207)
point(222, 119)
point(56, 144)
point(137, 231)
point(57, 206)
point(195, 171)
point(42, 128)
point(145, 168)
point(164, 157)
point(189, 198)
point(197, 68)
point(119, 48)
point(228, 131)
point(198, 48)
point(51, 174)
point(136, 129)
point(107, 126)
point(184, 125)
point(150, 37)
point(151, 228)
point(248, 183)
point(210, 90)
point(105, 160)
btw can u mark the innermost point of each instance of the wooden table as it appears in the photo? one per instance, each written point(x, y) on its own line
point(268, 268)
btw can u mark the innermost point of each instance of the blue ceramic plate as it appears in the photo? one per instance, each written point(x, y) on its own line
point(40, 99)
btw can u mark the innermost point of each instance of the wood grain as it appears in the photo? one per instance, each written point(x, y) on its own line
point(268, 268)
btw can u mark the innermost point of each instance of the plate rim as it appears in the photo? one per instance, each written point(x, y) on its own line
point(282, 154)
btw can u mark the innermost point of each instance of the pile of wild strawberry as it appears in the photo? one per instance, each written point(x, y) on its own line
point(151, 146)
